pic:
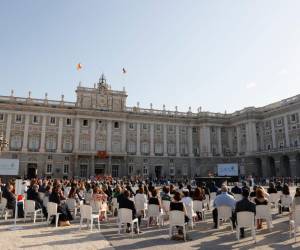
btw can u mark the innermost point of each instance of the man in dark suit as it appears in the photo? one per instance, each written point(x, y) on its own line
point(236, 189)
point(32, 194)
point(245, 205)
point(125, 202)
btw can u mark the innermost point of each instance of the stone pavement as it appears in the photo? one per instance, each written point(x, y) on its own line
point(40, 236)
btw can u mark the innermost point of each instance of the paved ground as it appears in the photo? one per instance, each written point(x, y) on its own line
point(41, 236)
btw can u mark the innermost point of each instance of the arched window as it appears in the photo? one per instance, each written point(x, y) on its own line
point(84, 143)
point(67, 144)
point(131, 147)
point(171, 148)
point(158, 148)
point(145, 148)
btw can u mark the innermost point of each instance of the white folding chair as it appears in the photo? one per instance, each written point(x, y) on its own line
point(274, 198)
point(166, 206)
point(286, 202)
point(124, 217)
point(115, 205)
point(198, 207)
point(295, 223)
point(264, 212)
point(155, 213)
point(213, 196)
point(52, 211)
point(191, 214)
point(29, 210)
point(225, 214)
point(177, 220)
point(245, 219)
point(207, 201)
point(72, 206)
point(86, 213)
point(45, 201)
point(3, 204)
point(88, 198)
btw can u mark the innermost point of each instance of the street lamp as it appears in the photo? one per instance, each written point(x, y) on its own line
point(3, 143)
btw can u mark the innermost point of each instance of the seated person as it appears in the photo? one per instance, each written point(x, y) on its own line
point(244, 205)
point(260, 199)
point(272, 189)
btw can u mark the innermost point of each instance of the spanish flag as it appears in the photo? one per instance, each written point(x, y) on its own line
point(79, 66)
point(124, 71)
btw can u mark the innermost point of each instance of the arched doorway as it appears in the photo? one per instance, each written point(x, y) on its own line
point(158, 171)
point(271, 164)
point(285, 166)
point(258, 171)
point(298, 165)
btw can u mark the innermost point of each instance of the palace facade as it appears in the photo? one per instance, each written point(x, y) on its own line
point(99, 135)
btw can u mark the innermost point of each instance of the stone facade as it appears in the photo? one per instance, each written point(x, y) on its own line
point(59, 138)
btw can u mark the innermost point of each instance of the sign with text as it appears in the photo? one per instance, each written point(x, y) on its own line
point(9, 166)
point(228, 169)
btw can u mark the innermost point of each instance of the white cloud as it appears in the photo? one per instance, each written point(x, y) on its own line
point(250, 85)
point(283, 72)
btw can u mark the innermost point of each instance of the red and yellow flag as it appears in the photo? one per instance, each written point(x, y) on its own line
point(79, 66)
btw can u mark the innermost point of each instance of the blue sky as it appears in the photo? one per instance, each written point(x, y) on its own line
point(220, 55)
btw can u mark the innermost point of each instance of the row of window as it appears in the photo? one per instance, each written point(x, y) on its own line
point(49, 169)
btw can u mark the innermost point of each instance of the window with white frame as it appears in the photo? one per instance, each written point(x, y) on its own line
point(69, 122)
point(183, 149)
point(281, 144)
point(18, 118)
point(49, 169)
point(172, 170)
point(34, 142)
point(145, 126)
point(158, 127)
point(1, 117)
point(158, 148)
point(35, 119)
point(51, 143)
point(130, 169)
point(16, 142)
point(66, 168)
point(131, 126)
point(85, 123)
point(293, 117)
point(171, 148)
point(171, 128)
point(195, 130)
point(67, 144)
point(145, 170)
point(84, 144)
point(131, 147)
point(145, 148)
point(52, 120)
point(100, 145)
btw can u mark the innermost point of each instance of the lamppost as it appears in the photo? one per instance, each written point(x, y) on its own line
point(3, 143)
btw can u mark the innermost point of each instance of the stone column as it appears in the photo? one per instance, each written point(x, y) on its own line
point(124, 133)
point(8, 127)
point(93, 136)
point(220, 151)
point(76, 135)
point(108, 136)
point(190, 141)
point(25, 137)
point(59, 140)
point(165, 140)
point(230, 139)
point(43, 134)
point(138, 139)
point(151, 139)
point(92, 173)
point(286, 132)
point(238, 139)
point(177, 142)
point(205, 143)
point(273, 134)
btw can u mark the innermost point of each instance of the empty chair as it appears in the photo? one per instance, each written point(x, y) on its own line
point(245, 219)
point(155, 213)
point(177, 220)
point(4, 212)
point(86, 213)
point(295, 223)
point(72, 206)
point(124, 217)
point(191, 214)
point(29, 210)
point(264, 212)
point(52, 211)
point(225, 214)
point(166, 206)
point(198, 207)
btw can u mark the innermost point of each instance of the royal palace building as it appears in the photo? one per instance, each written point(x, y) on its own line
point(99, 135)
